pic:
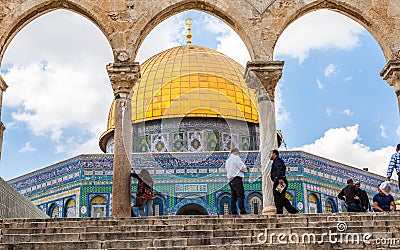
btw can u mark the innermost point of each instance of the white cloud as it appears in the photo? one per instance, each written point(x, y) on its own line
point(164, 36)
point(348, 79)
point(228, 40)
point(330, 69)
point(172, 33)
point(347, 112)
point(383, 131)
point(59, 82)
point(328, 112)
point(282, 115)
point(343, 145)
point(321, 29)
point(398, 130)
point(320, 85)
point(27, 148)
point(11, 125)
point(76, 148)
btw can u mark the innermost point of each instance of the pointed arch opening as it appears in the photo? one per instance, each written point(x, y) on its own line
point(332, 72)
point(58, 90)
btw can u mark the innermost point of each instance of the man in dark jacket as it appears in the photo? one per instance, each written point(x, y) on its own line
point(365, 205)
point(278, 172)
point(351, 195)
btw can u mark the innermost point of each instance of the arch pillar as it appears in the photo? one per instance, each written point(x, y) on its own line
point(391, 74)
point(123, 77)
point(263, 76)
point(3, 87)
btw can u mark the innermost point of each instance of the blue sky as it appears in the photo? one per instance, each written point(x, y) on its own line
point(330, 101)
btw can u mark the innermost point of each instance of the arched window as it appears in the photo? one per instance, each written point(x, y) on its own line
point(330, 206)
point(98, 207)
point(313, 204)
point(255, 205)
point(53, 211)
point(70, 211)
point(226, 208)
point(158, 206)
point(225, 205)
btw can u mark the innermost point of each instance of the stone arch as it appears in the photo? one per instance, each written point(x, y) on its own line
point(192, 209)
point(21, 16)
point(220, 9)
point(193, 201)
point(375, 24)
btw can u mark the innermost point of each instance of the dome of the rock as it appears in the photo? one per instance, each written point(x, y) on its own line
point(191, 83)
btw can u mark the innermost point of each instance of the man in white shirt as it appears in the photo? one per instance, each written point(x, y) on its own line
point(235, 170)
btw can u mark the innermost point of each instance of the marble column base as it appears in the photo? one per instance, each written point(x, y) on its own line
point(269, 210)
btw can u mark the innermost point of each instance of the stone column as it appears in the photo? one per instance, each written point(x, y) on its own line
point(3, 87)
point(123, 77)
point(391, 74)
point(263, 77)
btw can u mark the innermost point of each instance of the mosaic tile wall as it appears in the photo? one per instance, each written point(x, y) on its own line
point(193, 134)
point(186, 176)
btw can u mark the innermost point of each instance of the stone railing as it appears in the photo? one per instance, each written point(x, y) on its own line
point(14, 205)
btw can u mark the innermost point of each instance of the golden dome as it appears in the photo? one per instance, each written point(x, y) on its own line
point(191, 81)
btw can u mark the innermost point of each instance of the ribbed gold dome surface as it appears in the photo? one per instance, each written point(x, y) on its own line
point(191, 81)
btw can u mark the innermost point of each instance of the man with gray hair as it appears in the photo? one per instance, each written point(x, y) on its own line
point(235, 169)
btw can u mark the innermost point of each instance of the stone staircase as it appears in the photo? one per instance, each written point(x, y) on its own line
point(303, 231)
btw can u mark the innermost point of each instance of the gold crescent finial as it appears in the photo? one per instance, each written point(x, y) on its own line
point(188, 23)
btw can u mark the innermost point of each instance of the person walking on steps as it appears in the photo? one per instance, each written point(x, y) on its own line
point(235, 169)
point(278, 176)
point(144, 194)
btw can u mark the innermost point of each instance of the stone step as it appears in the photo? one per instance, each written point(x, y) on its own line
point(249, 247)
point(11, 235)
point(102, 236)
point(350, 229)
point(49, 230)
point(146, 234)
point(194, 232)
point(127, 244)
point(306, 217)
point(52, 245)
point(201, 220)
point(221, 241)
point(59, 237)
point(178, 243)
point(215, 224)
point(140, 228)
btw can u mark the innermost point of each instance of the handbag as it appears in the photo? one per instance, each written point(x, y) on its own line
point(139, 201)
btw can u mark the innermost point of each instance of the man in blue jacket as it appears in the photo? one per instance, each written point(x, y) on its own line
point(278, 176)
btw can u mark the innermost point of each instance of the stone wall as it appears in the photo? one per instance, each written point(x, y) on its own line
point(126, 23)
point(14, 205)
